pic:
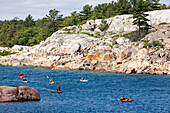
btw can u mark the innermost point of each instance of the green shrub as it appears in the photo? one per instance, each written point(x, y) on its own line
point(162, 23)
point(147, 44)
point(115, 43)
point(21, 49)
point(104, 26)
point(5, 53)
point(162, 40)
point(66, 29)
point(83, 22)
point(163, 32)
point(154, 43)
point(93, 27)
point(88, 34)
point(145, 41)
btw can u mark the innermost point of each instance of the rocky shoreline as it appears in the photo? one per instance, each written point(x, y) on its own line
point(77, 47)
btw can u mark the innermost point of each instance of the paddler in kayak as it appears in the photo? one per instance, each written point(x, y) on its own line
point(51, 80)
point(83, 78)
point(24, 79)
point(123, 97)
point(58, 88)
point(21, 75)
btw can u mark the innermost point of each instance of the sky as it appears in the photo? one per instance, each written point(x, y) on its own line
point(40, 8)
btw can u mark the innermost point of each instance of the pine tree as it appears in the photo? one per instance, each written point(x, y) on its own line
point(133, 2)
point(29, 21)
point(155, 4)
point(140, 17)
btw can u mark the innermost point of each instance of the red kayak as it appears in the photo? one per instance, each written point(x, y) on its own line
point(126, 100)
point(21, 76)
point(58, 91)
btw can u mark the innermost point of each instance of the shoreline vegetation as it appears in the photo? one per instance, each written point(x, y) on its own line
point(30, 32)
point(93, 39)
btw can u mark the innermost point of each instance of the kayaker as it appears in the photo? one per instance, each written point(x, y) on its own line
point(58, 88)
point(123, 97)
point(24, 79)
point(21, 74)
point(51, 80)
point(83, 78)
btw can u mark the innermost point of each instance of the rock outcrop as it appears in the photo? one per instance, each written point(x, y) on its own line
point(79, 47)
point(22, 93)
point(8, 94)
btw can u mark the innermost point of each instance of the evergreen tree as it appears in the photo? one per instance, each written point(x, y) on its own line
point(53, 15)
point(54, 20)
point(140, 17)
point(87, 11)
point(133, 2)
point(155, 4)
point(29, 21)
point(30, 32)
point(163, 6)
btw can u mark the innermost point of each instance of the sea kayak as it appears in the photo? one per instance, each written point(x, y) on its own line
point(25, 81)
point(58, 91)
point(126, 100)
point(84, 80)
point(21, 76)
point(52, 82)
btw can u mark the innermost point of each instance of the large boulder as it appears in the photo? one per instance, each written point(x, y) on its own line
point(121, 40)
point(65, 43)
point(22, 93)
point(142, 53)
point(8, 94)
point(27, 94)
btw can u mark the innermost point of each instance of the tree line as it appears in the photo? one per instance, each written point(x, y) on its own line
point(30, 32)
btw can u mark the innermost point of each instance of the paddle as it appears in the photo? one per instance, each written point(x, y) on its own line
point(60, 84)
point(19, 76)
point(22, 75)
point(80, 76)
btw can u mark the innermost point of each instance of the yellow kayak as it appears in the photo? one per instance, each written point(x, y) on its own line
point(52, 82)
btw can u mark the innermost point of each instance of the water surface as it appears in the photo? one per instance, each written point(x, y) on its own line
point(150, 93)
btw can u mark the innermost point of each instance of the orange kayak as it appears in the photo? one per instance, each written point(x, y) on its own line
point(58, 91)
point(126, 100)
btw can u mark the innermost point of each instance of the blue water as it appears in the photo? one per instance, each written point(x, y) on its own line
point(150, 93)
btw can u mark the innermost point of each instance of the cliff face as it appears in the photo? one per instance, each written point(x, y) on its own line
point(86, 47)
